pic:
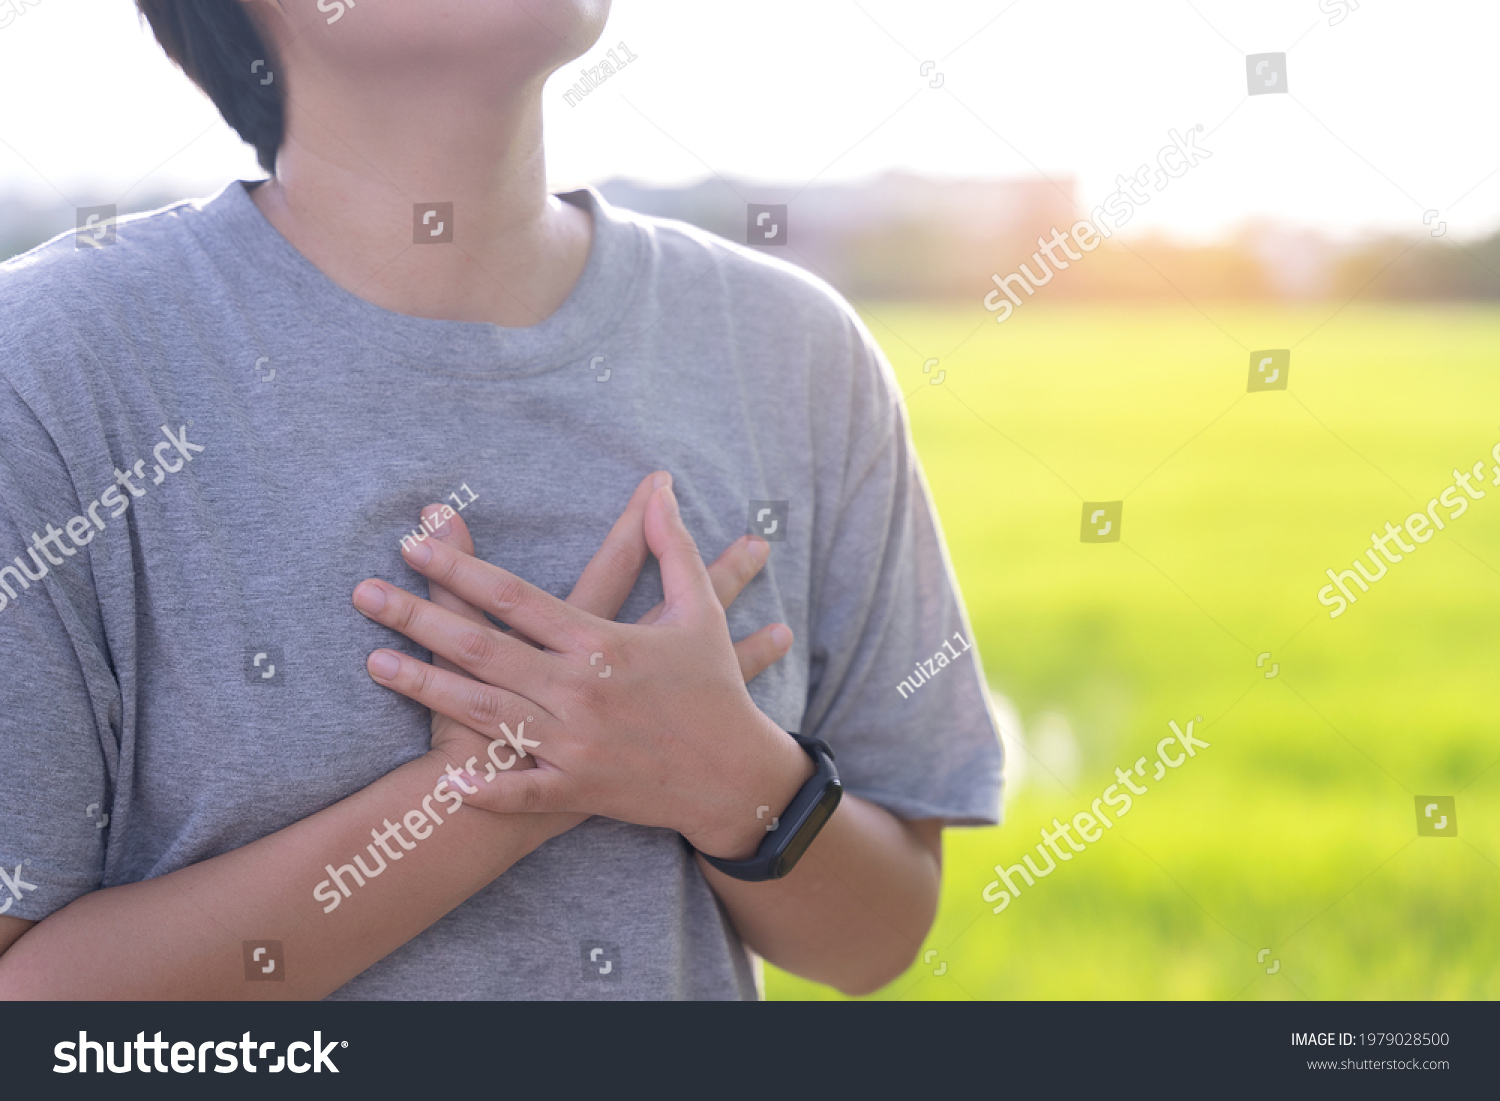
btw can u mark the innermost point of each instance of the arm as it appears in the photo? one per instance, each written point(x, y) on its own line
point(852, 914)
point(856, 908)
point(180, 936)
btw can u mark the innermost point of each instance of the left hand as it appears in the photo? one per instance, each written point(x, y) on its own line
point(670, 737)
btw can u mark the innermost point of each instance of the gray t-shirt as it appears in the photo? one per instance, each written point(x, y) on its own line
point(225, 443)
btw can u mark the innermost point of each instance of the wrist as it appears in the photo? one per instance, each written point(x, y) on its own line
point(735, 822)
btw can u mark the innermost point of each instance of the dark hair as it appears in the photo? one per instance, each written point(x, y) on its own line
point(217, 45)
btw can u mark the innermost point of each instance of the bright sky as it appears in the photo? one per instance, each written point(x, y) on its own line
point(1389, 113)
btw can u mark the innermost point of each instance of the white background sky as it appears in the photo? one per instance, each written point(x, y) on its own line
point(1390, 112)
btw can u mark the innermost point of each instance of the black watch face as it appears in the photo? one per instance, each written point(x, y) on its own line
point(816, 817)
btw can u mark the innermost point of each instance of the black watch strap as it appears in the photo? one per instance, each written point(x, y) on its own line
point(791, 832)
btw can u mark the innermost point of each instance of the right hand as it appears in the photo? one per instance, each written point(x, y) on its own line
point(601, 590)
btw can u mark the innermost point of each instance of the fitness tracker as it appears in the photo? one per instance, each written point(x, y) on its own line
point(794, 829)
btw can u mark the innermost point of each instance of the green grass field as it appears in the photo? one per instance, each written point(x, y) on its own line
point(1296, 832)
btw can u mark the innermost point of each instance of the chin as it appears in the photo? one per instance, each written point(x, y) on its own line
point(515, 39)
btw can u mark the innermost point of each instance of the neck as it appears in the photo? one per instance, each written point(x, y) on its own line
point(354, 166)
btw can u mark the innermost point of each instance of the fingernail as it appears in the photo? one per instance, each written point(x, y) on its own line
point(442, 530)
point(418, 554)
point(662, 480)
point(781, 636)
point(384, 665)
point(759, 549)
point(670, 499)
point(368, 598)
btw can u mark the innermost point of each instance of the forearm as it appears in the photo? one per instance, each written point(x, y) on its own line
point(856, 908)
point(181, 935)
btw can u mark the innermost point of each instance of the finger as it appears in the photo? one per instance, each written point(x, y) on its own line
point(534, 791)
point(452, 531)
point(684, 578)
point(762, 650)
point(480, 651)
point(730, 573)
point(449, 733)
point(610, 575)
point(474, 704)
point(456, 534)
point(517, 603)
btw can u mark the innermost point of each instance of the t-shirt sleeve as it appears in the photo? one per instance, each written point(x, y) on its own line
point(896, 687)
point(57, 692)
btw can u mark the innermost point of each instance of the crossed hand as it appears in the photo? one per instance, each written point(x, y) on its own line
point(670, 737)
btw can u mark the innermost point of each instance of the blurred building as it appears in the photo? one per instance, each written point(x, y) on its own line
point(908, 237)
point(900, 236)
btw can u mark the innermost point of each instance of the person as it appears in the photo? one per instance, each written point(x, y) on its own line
point(399, 366)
